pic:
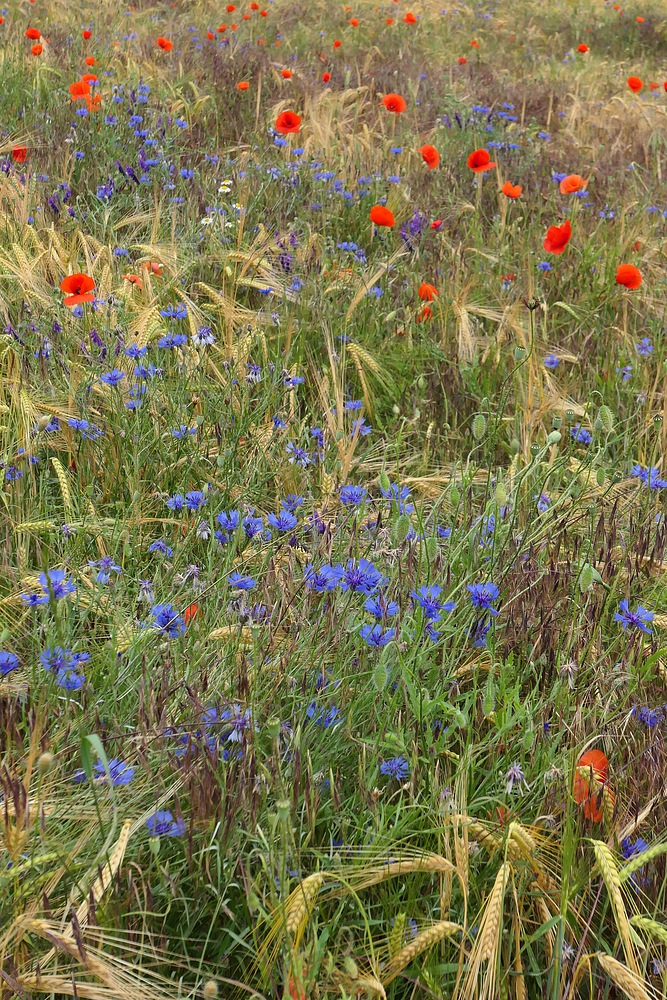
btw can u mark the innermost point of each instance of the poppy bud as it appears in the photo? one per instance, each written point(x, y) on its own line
point(501, 494)
point(553, 438)
point(606, 418)
point(515, 446)
point(45, 762)
point(601, 477)
point(210, 989)
point(479, 426)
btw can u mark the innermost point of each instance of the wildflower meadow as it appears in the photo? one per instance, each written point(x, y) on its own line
point(333, 461)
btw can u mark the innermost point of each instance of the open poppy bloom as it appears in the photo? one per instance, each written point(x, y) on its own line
point(79, 89)
point(512, 190)
point(480, 160)
point(635, 84)
point(629, 276)
point(582, 47)
point(381, 216)
point(424, 314)
point(427, 292)
point(190, 612)
point(86, 34)
point(572, 183)
point(410, 18)
point(93, 101)
point(395, 103)
point(590, 778)
point(242, 85)
point(165, 44)
point(90, 60)
point(78, 288)
point(326, 77)
point(430, 156)
point(133, 279)
point(156, 269)
point(37, 50)
point(287, 121)
point(354, 23)
point(89, 78)
point(558, 237)
point(20, 153)
point(436, 224)
point(33, 34)
point(337, 44)
point(462, 60)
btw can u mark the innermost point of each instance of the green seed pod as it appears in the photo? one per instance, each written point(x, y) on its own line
point(45, 762)
point(479, 427)
point(534, 450)
point(400, 529)
point(43, 422)
point(606, 418)
point(557, 423)
point(569, 416)
point(220, 461)
point(554, 437)
point(421, 383)
point(519, 353)
point(273, 727)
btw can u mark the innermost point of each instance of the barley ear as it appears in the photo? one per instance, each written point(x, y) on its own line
point(612, 880)
point(423, 942)
point(632, 984)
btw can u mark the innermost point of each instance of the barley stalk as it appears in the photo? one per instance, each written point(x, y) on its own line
point(639, 860)
point(652, 927)
point(426, 863)
point(631, 983)
point(519, 981)
point(487, 942)
point(64, 486)
point(371, 985)
point(423, 942)
point(300, 904)
point(612, 880)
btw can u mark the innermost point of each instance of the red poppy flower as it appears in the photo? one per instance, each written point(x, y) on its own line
point(165, 44)
point(337, 44)
point(653, 85)
point(230, 8)
point(20, 153)
point(587, 790)
point(288, 121)
point(93, 101)
point(475, 44)
point(436, 224)
point(326, 77)
point(254, 6)
point(582, 47)
point(558, 237)
point(210, 35)
point(410, 18)
point(354, 22)
point(37, 50)
point(635, 84)
point(665, 84)
point(90, 60)
point(512, 190)
point(33, 34)
point(263, 13)
point(190, 612)
point(395, 103)
point(155, 268)
point(78, 288)
point(89, 78)
point(480, 160)
point(246, 17)
point(424, 314)
point(462, 60)
point(133, 279)
point(86, 34)
point(286, 74)
point(242, 85)
point(640, 20)
point(427, 292)
point(572, 183)
point(430, 156)
point(221, 27)
point(381, 216)
point(389, 20)
point(629, 276)
point(79, 89)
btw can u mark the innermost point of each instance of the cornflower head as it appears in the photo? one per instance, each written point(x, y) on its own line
point(55, 584)
point(483, 595)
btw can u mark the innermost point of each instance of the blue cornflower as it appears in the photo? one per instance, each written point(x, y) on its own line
point(195, 499)
point(55, 584)
point(183, 432)
point(159, 546)
point(478, 633)
point(70, 680)
point(628, 849)
point(376, 636)
point(284, 521)
point(636, 618)
point(644, 347)
point(551, 361)
point(173, 340)
point(650, 477)
point(298, 455)
point(292, 502)
point(324, 717)
point(580, 434)
point(543, 502)
point(482, 595)
point(134, 351)
point(352, 496)
point(427, 599)
point(113, 377)
point(204, 337)
point(361, 577)
point(177, 502)
point(324, 578)
point(252, 525)
point(167, 619)
point(625, 373)
point(380, 607)
point(545, 265)
point(241, 582)
point(360, 427)
point(106, 567)
point(396, 767)
point(119, 772)
point(8, 662)
point(650, 717)
point(229, 520)
point(175, 312)
point(398, 494)
point(163, 824)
